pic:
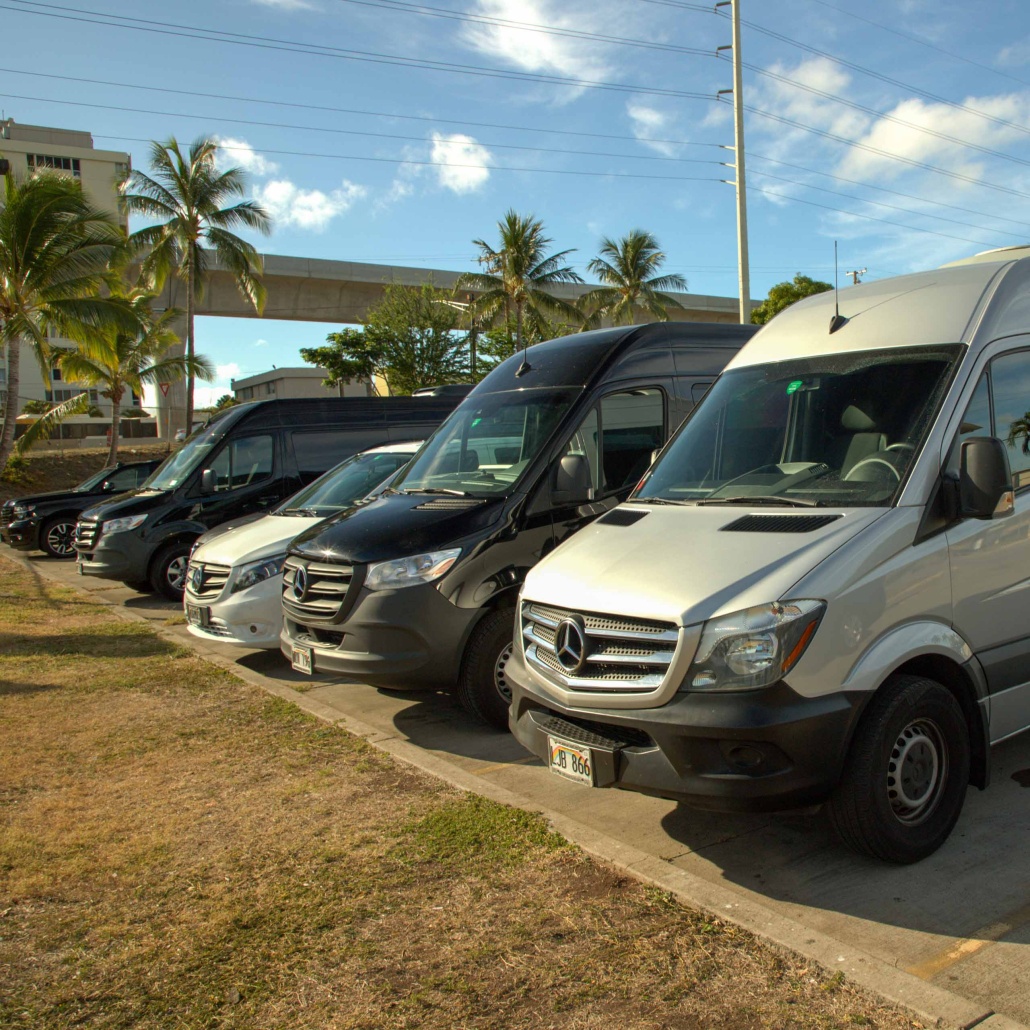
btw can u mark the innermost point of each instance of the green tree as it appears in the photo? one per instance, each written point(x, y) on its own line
point(186, 196)
point(782, 295)
point(55, 248)
point(628, 269)
point(227, 400)
point(119, 359)
point(410, 339)
point(500, 342)
point(518, 277)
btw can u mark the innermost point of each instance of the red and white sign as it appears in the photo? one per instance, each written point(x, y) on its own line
point(164, 388)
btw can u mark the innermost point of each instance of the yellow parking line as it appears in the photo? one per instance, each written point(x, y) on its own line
point(962, 949)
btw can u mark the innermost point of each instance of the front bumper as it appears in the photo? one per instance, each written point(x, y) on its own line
point(122, 556)
point(21, 534)
point(411, 638)
point(250, 618)
point(751, 751)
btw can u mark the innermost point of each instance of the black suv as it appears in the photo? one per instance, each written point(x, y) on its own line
point(46, 522)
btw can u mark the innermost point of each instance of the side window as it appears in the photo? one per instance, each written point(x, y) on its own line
point(318, 451)
point(123, 479)
point(975, 422)
point(698, 390)
point(1010, 379)
point(584, 442)
point(243, 462)
point(632, 427)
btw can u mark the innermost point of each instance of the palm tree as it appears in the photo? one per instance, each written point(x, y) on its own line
point(55, 248)
point(119, 359)
point(517, 275)
point(1020, 428)
point(628, 269)
point(186, 195)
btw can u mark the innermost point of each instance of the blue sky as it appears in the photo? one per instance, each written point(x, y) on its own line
point(900, 129)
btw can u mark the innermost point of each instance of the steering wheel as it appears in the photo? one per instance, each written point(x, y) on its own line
point(900, 447)
point(850, 477)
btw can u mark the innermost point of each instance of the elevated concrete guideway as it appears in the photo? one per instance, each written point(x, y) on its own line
point(341, 292)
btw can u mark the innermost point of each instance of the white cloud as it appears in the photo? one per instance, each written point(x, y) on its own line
point(223, 373)
point(290, 206)
point(260, 343)
point(468, 162)
point(649, 125)
point(532, 51)
point(239, 153)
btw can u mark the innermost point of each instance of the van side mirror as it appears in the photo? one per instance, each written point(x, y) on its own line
point(572, 480)
point(208, 481)
point(106, 486)
point(985, 481)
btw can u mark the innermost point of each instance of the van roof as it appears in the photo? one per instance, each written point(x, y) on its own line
point(961, 303)
point(656, 348)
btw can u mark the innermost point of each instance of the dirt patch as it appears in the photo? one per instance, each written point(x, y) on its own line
point(51, 470)
point(179, 849)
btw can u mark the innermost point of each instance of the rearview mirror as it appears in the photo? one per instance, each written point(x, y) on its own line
point(985, 481)
point(208, 481)
point(572, 480)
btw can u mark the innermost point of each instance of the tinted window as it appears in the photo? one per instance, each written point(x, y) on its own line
point(975, 422)
point(125, 479)
point(584, 442)
point(349, 482)
point(318, 451)
point(632, 428)
point(243, 463)
point(1010, 379)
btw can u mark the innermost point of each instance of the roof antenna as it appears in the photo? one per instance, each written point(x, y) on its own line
point(838, 319)
point(525, 366)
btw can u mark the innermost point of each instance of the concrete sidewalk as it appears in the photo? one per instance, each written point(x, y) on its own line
point(949, 938)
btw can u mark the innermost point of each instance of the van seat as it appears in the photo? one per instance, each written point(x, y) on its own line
point(861, 440)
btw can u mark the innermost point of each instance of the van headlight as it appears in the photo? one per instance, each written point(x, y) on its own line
point(409, 572)
point(124, 524)
point(754, 647)
point(257, 572)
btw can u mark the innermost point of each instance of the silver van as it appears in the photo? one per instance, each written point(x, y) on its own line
point(820, 591)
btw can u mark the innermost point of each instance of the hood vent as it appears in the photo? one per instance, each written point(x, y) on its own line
point(779, 523)
point(449, 504)
point(622, 517)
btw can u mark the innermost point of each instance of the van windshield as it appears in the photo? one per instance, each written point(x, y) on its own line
point(841, 430)
point(172, 472)
point(487, 443)
point(344, 485)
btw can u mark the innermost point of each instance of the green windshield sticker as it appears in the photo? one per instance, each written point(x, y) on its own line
point(794, 386)
point(476, 421)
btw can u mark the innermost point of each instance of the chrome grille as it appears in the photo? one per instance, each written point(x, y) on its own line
point(325, 590)
point(212, 579)
point(621, 654)
point(87, 533)
point(7, 513)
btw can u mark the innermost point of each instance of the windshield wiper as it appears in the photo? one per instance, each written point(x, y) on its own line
point(792, 502)
point(305, 512)
point(656, 500)
point(438, 490)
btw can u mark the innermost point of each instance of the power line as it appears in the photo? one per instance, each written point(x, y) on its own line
point(322, 50)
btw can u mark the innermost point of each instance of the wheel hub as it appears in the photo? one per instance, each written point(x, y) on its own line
point(59, 538)
point(917, 771)
point(500, 680)
point(176, 574)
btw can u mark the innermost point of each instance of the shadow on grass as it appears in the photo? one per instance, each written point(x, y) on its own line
point(85, 645)
point(9, 689)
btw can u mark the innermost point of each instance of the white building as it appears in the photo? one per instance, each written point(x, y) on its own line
point(32, 148)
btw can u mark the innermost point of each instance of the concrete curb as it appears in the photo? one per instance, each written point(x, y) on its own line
point(938, 1006)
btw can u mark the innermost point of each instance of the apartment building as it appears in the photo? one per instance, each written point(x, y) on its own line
point(290, 383)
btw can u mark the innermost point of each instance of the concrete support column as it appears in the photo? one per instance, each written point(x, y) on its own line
point(171, 406)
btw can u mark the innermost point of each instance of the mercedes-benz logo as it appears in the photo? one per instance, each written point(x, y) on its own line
point(197, 578)
point(570, 646)
point(300, 583)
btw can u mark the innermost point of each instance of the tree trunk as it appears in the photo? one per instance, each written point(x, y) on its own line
point(116, 418)
point(11, 407)
point(518, 324)
point(190, 378)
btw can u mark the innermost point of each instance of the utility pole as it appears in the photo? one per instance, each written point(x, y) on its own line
point(855, 275)
point(743, 271)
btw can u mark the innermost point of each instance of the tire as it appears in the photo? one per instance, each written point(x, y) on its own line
point(906, 773)
point(482, 690)
point(168, 570)
point(56, 537)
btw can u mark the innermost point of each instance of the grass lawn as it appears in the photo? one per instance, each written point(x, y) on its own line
point(179, 850)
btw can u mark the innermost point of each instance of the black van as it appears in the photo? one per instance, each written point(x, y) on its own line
point(418, 589)
point(243, 461)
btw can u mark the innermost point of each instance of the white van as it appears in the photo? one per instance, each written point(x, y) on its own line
point(821, 589)
point(234, 579)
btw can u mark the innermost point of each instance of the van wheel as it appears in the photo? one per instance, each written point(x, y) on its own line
point(482, 687)
point(168, 570)
point(57, 537)
point(906, 774)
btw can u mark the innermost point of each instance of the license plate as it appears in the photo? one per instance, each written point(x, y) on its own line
point(570, 761)
point(198, 615)
point(302, 660)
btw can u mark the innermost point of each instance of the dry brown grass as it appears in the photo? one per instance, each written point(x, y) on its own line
point(178, 850)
